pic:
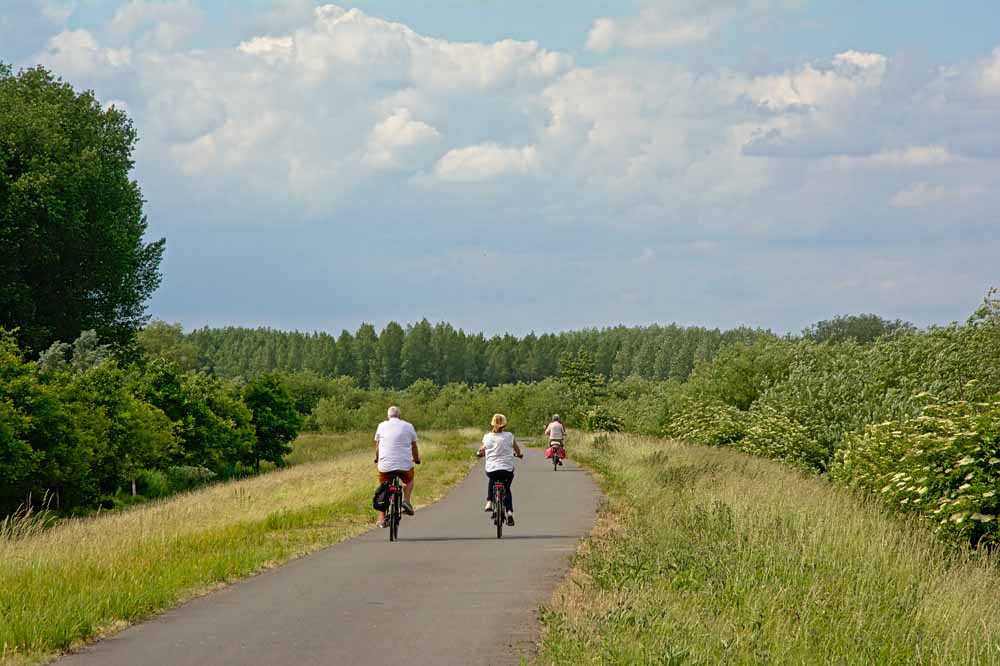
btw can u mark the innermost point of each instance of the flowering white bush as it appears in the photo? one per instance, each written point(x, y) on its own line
point(943, 465)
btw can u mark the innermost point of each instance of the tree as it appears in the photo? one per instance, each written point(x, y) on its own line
point(418, 353)
point(389, 355)
point(366, 361)
point(72, 254)
point(275, 419)
point(862, 329)
point(162, 340)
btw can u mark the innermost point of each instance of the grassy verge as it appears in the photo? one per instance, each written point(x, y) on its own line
point(89, 577)
point(708, 556)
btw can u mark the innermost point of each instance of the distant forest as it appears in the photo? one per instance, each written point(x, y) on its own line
point(396, 357)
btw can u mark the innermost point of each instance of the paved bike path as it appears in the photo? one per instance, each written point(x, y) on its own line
point(448, 592)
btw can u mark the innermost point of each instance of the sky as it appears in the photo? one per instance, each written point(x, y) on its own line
point(507, 165)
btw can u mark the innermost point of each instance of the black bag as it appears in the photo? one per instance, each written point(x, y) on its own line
point(380, 502)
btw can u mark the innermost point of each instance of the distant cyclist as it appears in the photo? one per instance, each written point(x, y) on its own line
point(500, 449)
point(556, 432)
point(395, 453)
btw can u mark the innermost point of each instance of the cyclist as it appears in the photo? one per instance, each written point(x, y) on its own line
point(395, 454)
point(500, 449)
point(556, 432)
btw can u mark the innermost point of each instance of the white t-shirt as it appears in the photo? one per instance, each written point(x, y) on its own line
point(555, 430)
point(394, 438)
point(499, 447)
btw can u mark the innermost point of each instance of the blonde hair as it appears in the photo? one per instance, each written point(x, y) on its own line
point(499, 422)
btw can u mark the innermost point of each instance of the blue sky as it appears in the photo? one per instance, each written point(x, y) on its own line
point(514, 165)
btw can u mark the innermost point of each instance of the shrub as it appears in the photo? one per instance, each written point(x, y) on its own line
point(183, 477)
point(712, 424)
point(942, 465)
point(152, 483)
point(599, 419)
point(771, 434)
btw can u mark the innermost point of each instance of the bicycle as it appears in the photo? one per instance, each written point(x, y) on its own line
point(394, 511)
point(556, 459)
point(499, 507)
point(499, 510)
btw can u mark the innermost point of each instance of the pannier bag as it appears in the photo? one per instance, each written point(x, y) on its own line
point(380, 501)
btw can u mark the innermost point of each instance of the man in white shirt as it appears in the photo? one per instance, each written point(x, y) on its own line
point(395, 454)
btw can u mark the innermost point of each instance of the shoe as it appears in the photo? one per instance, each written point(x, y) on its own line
point(407, 508)
point(489, 507)
point(510, 520)
point(382, 524)
point(559, 462)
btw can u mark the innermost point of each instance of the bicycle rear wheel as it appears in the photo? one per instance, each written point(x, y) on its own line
point(394, 507)
point(499, 513)
point(555, 460)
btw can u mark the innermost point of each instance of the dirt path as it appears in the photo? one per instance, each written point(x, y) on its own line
point(447, 593)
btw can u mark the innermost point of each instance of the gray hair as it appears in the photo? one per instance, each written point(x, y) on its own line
point(394, 412)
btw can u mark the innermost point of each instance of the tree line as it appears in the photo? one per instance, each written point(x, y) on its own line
point(396, 357)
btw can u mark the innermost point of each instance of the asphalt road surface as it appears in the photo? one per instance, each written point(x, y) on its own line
point(448, 592)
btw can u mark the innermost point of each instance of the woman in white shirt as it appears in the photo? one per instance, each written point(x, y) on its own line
point(500, 450)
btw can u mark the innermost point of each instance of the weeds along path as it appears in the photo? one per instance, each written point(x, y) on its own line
point(448, 592)
point(90, 577)
point(709, 556)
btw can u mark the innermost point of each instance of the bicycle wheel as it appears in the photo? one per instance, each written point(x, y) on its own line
point(555, 460)
point(397, 515)
point(393, 516)
point(499, 514)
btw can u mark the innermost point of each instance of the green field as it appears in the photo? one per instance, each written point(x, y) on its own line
point(86, 578)
point(709, 556)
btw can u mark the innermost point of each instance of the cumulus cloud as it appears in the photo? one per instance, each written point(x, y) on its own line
point(342, 117)
point(391, 141)
point(485, 162)
point(77, 53)
point(667, 24)
point(164, 23)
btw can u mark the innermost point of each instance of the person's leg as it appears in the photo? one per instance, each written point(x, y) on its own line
point(381, 514)
point(408, 479)
point(508, 478)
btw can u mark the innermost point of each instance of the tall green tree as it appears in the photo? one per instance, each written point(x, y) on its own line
point(418, 353)
point(390, 355)
point(72, 250)
point(275, 419)
point(365, 356)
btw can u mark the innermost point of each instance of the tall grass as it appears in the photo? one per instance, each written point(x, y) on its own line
point(87, 577)
point(710, 556)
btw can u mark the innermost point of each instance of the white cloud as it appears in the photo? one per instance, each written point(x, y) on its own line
point(990, 77)
point(666, 24)
point(485, 162)
point(924, 194)
point(846, 76)
point(649, 31)
point(910, 157)
point(345, 106)
point(165, 23)
point(390, 141)
point(77, 53)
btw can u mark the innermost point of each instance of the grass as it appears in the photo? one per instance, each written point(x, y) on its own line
point(708, 556)
point(86, 578)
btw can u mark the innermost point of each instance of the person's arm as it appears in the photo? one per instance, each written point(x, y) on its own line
point(517, 450)
point(376, 450)
point(548, 430)
point(415, 452)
